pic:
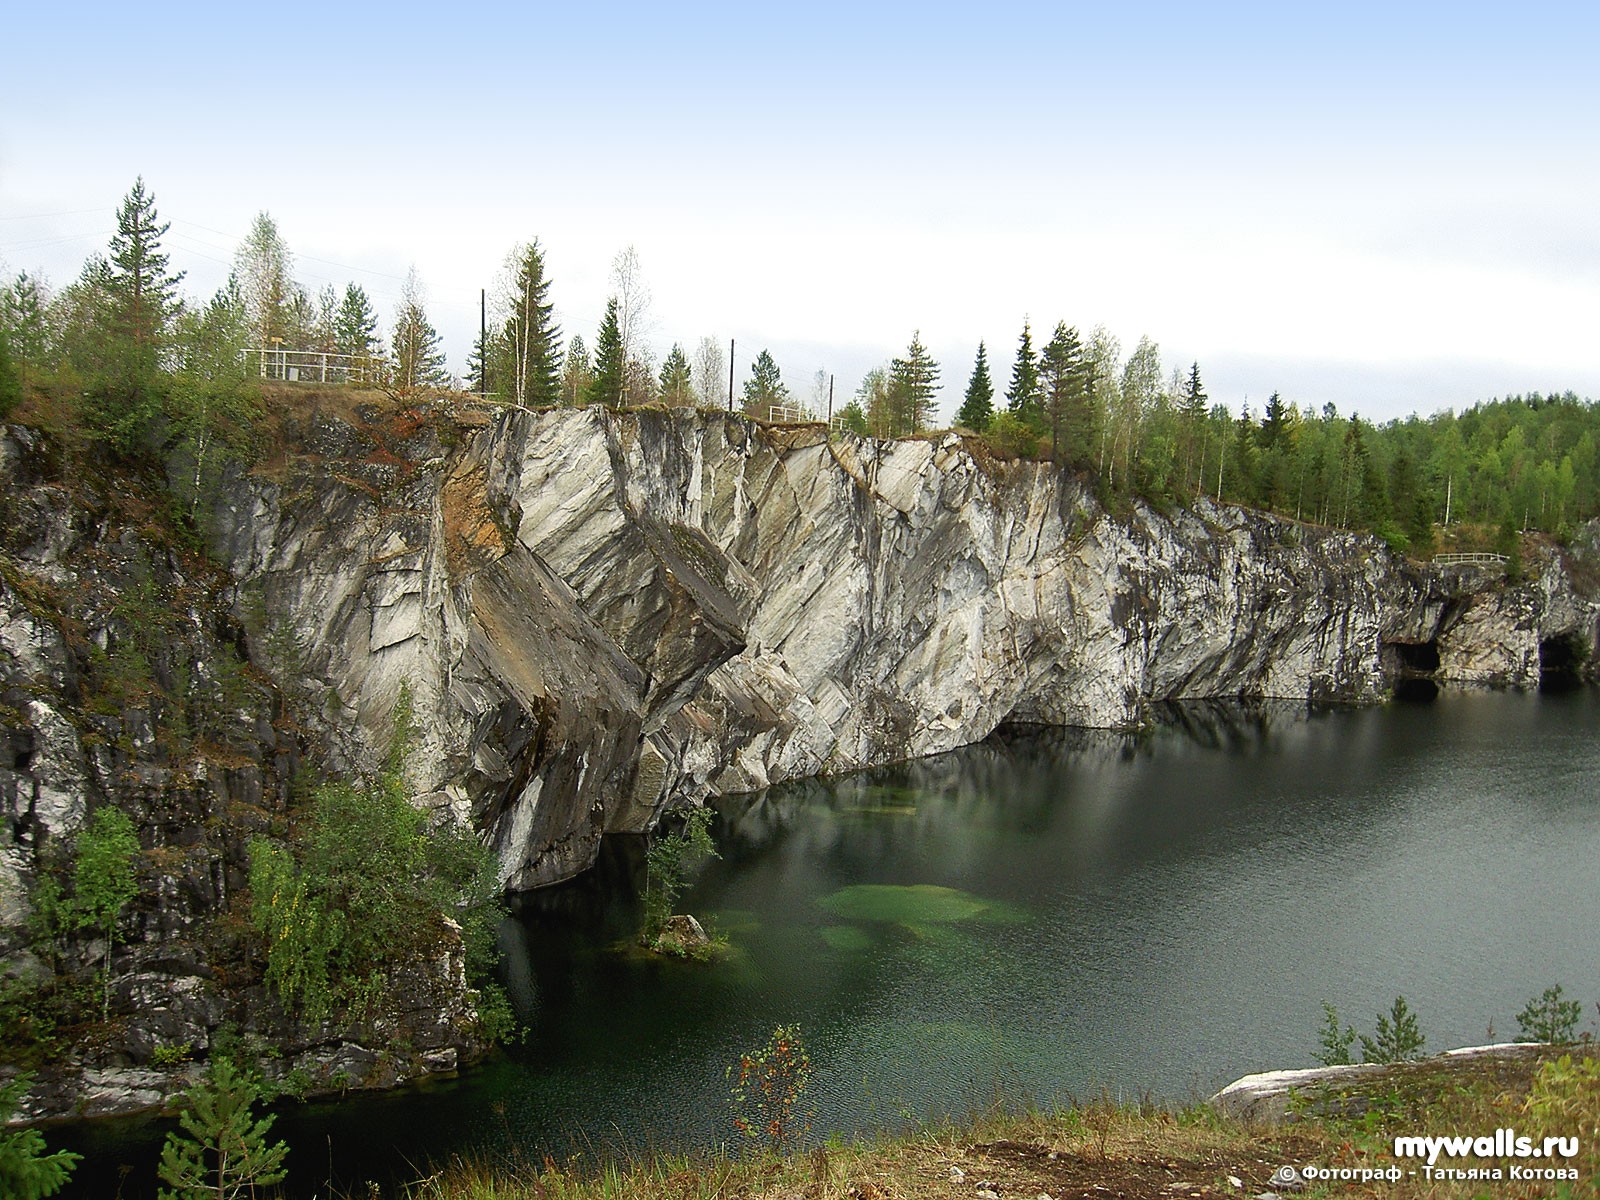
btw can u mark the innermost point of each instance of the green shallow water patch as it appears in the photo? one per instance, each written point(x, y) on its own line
point(917, 906)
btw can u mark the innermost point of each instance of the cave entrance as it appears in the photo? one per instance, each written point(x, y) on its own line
point(1410, 667)
point(1561, 660)
point(1416, 658)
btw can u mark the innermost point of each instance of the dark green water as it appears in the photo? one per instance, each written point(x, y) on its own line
point(1150, 916)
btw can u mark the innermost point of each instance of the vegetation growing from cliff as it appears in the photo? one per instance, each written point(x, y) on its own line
point(120, 359)
point(364, 889)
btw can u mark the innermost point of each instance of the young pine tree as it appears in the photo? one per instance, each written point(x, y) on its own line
point(222, 1150)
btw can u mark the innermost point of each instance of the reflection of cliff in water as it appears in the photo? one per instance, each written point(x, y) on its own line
point(1123, 797)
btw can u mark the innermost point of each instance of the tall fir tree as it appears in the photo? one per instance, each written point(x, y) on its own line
point(977, 408)
point(532, 341)
point(610, 368)
point(143, 291)
point(676, 385)
point(1022, 397)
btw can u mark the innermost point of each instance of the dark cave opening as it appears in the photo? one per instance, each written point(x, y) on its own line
point(1416, 657)
point(1561, 660)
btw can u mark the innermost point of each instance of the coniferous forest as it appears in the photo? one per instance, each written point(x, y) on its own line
point(121, 356)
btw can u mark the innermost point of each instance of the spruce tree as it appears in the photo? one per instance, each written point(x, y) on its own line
point(1023, 395)
point(532, 337)
point(143, 292)
point(977, 409)
point(677, 387)
point(764, 388)
point(610, 368)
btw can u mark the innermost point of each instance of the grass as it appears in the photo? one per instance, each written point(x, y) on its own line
point(1102, 1150)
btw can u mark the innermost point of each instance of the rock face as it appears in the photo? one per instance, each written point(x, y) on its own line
point(604, 615)
point(601, 616)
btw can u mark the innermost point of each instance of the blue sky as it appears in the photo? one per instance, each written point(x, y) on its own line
point(1389, 210)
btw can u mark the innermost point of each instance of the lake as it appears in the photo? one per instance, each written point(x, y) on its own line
point(1052, 914)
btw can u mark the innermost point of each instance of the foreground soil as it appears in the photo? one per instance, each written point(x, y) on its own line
point(1104, 1151)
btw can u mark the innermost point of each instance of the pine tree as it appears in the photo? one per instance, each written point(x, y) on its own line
point(221, 1151)
point(913, 380)
point(418, 360)
point(676, 386)
point(532, 337)
point(1066, 381)
point(27, 1172)
point(143, 292)
point(1023, 395)
point(610, 368)
point(764, 388)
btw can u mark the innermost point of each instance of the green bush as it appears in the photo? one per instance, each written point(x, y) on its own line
point(767, 1088)
point(365, 889)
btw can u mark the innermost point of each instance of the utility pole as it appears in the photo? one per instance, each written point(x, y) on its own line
point(830, 399)
point(483, 342)
point(730, 374)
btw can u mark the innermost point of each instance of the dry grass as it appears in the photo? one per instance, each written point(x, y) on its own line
point(1096, 1151)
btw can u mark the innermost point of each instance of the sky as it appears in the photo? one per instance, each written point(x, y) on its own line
point(1391, 208)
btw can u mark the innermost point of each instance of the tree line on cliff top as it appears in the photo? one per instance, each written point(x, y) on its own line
point(144, 364)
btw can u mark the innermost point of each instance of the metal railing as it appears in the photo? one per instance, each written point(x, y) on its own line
point(1479, 559)
point(315, 366)
point(788, 414)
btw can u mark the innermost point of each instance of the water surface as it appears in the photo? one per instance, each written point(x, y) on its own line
point(1048, 915)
